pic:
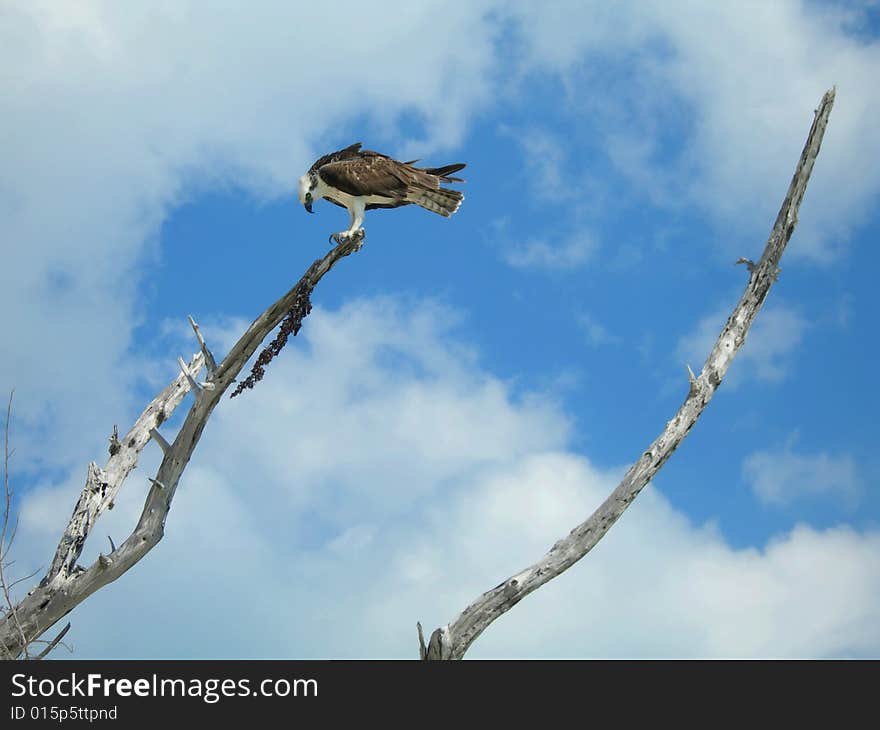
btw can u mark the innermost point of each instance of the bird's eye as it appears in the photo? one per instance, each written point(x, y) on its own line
point(308, 197)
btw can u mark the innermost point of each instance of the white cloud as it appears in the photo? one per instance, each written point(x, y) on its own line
point(565, 252)
point(410, 413)
point(112, 115)
point(546, 159)
point(773, 340)
point(782, 476)
point(660, 586)
point(739, 80)
point(765, 355)
point(596, 332)
point(431, 478)
point(308, 525)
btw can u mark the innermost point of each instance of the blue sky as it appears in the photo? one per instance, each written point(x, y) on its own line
point(466, 390)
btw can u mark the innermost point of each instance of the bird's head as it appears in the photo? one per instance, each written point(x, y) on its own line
point(308, 190)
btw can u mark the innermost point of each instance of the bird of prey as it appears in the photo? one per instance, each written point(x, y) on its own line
point(361, 180)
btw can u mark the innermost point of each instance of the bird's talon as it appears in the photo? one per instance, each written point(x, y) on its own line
point(344, 237)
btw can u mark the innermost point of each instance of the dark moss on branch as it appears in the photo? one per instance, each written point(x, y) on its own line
point(290, 325)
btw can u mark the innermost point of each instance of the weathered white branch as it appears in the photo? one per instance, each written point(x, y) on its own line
point(102, 485)
point(67, 584)
point(210, 363)
point(193, 385)
point(453, 640)
point(423, 650)
point(160, 439)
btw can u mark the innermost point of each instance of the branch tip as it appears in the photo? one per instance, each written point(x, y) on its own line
point(115, 446)
point(210, 363)
point(194, 386)
point(423, 650)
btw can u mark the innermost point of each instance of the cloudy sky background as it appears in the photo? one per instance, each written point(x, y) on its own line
point(466, 390)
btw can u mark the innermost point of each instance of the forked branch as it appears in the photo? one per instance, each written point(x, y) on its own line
point(67, 584)
point(454, 639)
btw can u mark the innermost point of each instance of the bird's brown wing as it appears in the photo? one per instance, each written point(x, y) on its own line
point(370, 173)
point(347, 153)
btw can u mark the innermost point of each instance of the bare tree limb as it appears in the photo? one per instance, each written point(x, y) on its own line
point(52, 644)
point(67, 584)
point(6, 537)
point(454, 639)
point(210, 363)
point(102, 485)
point(423, 650)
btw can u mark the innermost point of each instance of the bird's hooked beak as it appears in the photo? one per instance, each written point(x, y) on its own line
point(308, 204)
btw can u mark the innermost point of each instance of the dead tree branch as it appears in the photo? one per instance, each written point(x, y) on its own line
point(454, 639)
point(7, 535)
point(67, 584)
point(55, 642)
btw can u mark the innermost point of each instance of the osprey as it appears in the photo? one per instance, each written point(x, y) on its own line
point(361, 180)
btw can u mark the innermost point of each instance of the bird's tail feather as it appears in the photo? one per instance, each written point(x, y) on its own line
point(441, 200)
point(444, 172)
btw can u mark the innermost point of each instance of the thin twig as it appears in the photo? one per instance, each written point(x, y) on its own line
point(24, 577)
point(52, 644)
point(6, 544)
